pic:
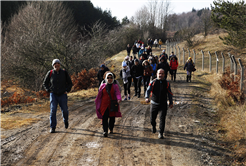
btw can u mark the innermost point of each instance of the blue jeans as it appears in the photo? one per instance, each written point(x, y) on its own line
point(54, 101)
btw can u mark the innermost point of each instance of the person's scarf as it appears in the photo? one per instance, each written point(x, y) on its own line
point(107, 76)
point(125, 74)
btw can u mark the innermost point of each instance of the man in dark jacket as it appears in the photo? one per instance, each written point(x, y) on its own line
point(128, 49)
point(164, 65)
point(163, 54)
point(134, 51)
point(160, 89)
point(149, 50)
point(137, 74)
point(101, 72)
point(58, 83)
point(189, 66)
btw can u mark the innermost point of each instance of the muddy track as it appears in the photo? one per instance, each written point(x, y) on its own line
point(131, 144)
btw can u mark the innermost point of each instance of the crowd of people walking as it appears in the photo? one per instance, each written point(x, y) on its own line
point(140, 67)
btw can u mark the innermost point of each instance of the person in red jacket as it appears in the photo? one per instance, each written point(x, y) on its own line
point(173, 67)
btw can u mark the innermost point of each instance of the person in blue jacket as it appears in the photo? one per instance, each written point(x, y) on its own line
point(153, 65)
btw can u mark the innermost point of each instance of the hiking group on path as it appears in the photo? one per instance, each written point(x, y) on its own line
point(147, 69)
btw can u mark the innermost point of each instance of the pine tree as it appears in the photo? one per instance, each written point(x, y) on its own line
point(231, 16)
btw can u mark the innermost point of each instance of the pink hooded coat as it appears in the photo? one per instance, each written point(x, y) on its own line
point(99, 100)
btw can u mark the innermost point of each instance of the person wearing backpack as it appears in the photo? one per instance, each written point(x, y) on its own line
point(160, 89)
point(173, 67)
point(58, 83)
point(189, 66)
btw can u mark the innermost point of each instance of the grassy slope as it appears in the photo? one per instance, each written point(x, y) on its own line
point(232, 116)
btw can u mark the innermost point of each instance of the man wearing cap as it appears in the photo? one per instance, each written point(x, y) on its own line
point(58, 83)
point(163, 54)
point(100, 73)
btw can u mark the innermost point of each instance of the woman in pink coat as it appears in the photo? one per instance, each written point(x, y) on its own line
point(103, 103)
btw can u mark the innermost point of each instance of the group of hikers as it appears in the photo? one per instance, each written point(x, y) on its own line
point(139, 70)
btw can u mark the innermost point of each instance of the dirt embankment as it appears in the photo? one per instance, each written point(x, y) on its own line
point(187, 141)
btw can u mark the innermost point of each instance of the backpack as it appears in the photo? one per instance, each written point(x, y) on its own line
point(154, 84)
point(51, 71)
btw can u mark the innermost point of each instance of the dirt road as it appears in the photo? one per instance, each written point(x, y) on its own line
point(132, 143)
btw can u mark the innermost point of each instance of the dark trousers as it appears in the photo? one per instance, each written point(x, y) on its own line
point(137, 85)
point(127, 88)
point(154, 110)
point(146, 80)
point(173, 74)
point(108, 124)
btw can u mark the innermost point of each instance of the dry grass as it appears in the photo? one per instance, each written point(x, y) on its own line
point(24, 117)
point(83, 94)
point(232, 117)
point(10, 122)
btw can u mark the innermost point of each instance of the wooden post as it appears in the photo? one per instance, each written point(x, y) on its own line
point(231, 63)
point(235, 64)
point(179, 55)
point(183, 56)
point(210, 62)
point(242, 74)
point(223, 63)
point(194, 59)
point(217, 61)
point(202, 60)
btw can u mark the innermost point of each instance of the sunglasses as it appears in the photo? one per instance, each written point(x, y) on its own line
point(109, 77)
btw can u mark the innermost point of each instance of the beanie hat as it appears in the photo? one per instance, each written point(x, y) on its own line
point(55, 61)
point(163, 50)
point(189, 58)
point(124, 64)
point(136, 60)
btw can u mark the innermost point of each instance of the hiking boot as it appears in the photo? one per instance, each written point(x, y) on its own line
point(52, 130)
point(160, 136)
point(66, 125)
point(111, 132)
point(138, 95)
point(153, 129)
point(129, 98)
point(125, 99)
point(105, 134)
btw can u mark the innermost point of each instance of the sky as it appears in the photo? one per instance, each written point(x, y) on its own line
point(122, 8)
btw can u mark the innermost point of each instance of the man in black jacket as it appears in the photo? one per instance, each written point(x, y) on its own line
point(137, 74)
point(160, 89)
point(100, 73)
point(164, 65)
point(58, 83)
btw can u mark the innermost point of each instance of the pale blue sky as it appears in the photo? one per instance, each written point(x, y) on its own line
point(120, 8)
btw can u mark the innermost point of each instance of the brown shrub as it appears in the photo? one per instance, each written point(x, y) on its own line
point(16, 99)
point(84, 79)
point(227, 82)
